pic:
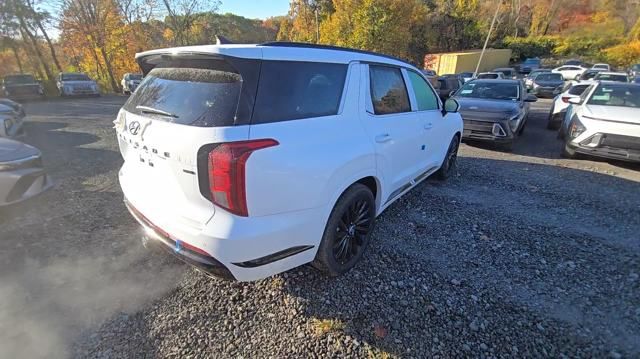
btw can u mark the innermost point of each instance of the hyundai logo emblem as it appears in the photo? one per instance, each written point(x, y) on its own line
point(134, 127)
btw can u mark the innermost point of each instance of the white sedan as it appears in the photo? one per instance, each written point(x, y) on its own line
point(604, 122)
point(570, 72)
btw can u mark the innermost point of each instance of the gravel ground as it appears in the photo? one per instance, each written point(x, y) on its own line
point(521, 254)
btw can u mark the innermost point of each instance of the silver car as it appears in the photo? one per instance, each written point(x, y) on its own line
point(76, 84)
point(22, 175)
point(11, 118)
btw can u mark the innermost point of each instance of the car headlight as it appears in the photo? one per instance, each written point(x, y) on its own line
point(576, 128)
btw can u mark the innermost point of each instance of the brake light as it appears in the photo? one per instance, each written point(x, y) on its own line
point(565, 99)
point(227, 163)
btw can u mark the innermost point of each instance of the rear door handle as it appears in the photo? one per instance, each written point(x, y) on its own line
point(428, 126)
point(383, 138)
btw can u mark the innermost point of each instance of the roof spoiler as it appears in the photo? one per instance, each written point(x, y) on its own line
point(221, 40)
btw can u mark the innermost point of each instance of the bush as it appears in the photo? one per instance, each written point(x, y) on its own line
point(524, 47)
point(589, 47)
point(623, 55)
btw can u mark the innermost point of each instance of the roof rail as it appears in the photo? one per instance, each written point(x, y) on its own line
point(329, 47)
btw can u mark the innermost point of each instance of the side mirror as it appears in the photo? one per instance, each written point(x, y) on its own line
point(531, 98)
point(575, 100)
point(451, 105)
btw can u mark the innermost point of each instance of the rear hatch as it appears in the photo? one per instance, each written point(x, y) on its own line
point(186, 102)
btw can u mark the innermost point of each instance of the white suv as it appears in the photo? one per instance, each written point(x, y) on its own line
point(249, 160)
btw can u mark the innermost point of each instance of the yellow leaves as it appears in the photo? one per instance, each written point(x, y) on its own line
point(624, 55)
point(168, 34)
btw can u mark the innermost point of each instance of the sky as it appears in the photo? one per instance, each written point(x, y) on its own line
point(255, 9)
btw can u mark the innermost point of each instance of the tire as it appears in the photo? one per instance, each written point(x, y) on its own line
point(344, 241)
point(567, 153)
point(507, 146)
point(450, 160)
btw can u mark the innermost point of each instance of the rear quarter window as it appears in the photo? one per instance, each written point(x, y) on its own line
point(291, 90)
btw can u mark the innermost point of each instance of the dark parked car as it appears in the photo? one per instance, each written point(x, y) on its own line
point(448, 84)
point(21, 86)
point(507, 72)
point(547, 84)
point(466, 76)
point(494, 110)
point(22, 175)
point(589, 74)
point(573, 62)
point(529, 65)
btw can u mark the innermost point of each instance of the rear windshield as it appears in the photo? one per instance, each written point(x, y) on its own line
point(549, 77)
point(490, 90)
point(201, 97)
point(75, 77)
point(611, 77)
point(577, 89)
point(290, 90)
point(589, 75)
point(488, 76)
point(616, 95)
point(19, 79)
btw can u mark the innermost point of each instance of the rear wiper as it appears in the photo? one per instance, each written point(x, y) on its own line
point(155, 111)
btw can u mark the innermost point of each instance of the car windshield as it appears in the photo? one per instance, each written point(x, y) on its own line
point(549, 77)
point(135, 77)
point(600, 66)
point(19, 79)
point(488, 76)
point(491, 90)
point(466, 74)
point(588, 75)
point(504, 71)
point(616, 95)
point(75, 77)
point(612, 77)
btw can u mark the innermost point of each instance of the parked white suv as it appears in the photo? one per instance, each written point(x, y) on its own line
point(249, 160)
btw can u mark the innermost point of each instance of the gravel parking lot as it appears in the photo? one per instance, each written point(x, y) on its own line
point(521, 254)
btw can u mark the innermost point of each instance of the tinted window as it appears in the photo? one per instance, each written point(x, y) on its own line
point(549, 77)
point(293, 90)
point(188, 95)
point(611, 77)
point(491, 90)
point(588, 75)
point(424, 95)
point(75, 77)
point(388, 91)
point(577, 89)
point(616, 95)
point(19, 79)
point(488, 76)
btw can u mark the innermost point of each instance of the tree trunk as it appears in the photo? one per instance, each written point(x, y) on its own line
point(51, 49)
point(27, 34)
point(14, 49)
point(107, 63)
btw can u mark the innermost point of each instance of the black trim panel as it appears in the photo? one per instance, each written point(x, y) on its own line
point(273, 257)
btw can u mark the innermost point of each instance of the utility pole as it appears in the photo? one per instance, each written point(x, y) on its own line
point(487, 39)
point(317, 27)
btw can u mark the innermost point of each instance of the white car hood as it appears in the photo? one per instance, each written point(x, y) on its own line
point(613, 113)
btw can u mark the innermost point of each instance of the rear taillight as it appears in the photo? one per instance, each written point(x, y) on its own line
point(226, 168)
point(565, 99)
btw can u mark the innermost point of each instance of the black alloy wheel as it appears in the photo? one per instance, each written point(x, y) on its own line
point(351, 231)
point(450, 160)
point(348, 231)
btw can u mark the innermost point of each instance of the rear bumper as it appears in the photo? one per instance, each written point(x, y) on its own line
point(544, 92)
point(156, 238)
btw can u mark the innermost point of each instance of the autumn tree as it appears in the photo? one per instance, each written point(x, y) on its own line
point(182, 14)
